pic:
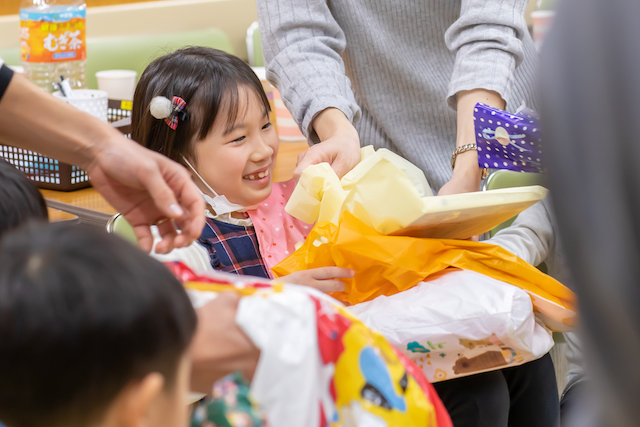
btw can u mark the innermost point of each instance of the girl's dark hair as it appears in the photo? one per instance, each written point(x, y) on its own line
point(205, 78)
point(20, 200)
point(82, 314)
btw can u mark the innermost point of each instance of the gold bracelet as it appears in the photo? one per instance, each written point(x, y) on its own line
point(465, 148)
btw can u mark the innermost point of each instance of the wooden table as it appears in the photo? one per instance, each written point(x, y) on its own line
point(87, 198)
point(91, 208)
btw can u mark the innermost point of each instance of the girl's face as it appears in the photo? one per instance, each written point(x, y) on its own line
point(239, 163)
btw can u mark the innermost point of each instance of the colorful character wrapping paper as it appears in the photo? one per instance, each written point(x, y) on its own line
point(508, 141)
point(319, 365)
point(229, 405)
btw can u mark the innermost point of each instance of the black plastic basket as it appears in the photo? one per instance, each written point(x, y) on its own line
point(51, 174)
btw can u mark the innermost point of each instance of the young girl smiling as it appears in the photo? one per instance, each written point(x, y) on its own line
point(207, 110)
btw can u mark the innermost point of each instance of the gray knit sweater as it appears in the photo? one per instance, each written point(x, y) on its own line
point(394, 66)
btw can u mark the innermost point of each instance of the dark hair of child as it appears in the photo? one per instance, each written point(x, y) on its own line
point(208, 80)
point(82, 314)
point(20, 200)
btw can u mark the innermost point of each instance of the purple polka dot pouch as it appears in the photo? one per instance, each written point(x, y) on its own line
point(508, 141)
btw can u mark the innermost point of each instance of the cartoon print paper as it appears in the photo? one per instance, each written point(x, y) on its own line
point(459, 323)
point(319, 365)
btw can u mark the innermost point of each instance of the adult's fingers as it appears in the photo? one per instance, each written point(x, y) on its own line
point(154, 177)
point(301, 165)
point(173, 178)
point(192, 222)
point(341, 166)
point(144, 236)
point(168, 234)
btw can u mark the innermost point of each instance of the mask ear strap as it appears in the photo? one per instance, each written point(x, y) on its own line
point(201, 179)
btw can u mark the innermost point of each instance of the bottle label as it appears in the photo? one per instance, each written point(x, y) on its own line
point(53, 36)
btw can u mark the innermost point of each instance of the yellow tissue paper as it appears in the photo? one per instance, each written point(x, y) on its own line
point(392, 196)
point(386, 265)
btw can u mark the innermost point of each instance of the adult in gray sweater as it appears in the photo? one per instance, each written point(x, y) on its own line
point(393, 74)
point(406, 75)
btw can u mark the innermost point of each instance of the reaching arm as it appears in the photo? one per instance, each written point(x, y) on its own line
point(220, 346)
point(144, 186)
point(466, 173)
point(487, 41)
point(302, 45)
point(340, 145)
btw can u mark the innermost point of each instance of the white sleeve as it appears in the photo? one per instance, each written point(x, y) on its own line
point(194, 256)
point(531, 237)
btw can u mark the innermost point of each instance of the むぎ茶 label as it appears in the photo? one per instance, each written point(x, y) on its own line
point(53, 36)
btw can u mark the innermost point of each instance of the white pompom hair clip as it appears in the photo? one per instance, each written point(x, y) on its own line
point(170, 111)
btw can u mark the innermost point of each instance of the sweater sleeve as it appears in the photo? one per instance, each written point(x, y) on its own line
point(487, 42)
point(302, 44)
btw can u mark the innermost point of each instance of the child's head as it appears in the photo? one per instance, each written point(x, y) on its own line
point(20, 200)
point(92, 331)
point(227, 135)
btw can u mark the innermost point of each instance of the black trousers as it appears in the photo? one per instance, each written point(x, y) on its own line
point(522, 396)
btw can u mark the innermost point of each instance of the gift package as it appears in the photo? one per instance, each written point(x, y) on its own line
point(508, 141)
point(319, 365)
point(494, 325)
point(392, 196)
point(455, 307)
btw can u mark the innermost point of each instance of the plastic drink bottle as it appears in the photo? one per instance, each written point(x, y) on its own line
point(53, 42)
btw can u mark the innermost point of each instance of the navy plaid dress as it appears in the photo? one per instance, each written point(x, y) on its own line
point(233, 248)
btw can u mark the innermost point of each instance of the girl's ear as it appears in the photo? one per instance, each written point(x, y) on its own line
point(133, 405)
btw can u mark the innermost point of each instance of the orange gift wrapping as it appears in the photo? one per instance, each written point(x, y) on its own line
point(386, 265)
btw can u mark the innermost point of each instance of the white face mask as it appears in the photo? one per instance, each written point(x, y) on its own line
point(220, 204)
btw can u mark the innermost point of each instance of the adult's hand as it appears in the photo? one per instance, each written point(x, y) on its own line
point(339, 146)
point(467, 175)
point(146, 187)
point(220, 346)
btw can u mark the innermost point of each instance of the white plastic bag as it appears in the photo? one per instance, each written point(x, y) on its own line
point(458, 324)
point(321, 366)
point(288, 369)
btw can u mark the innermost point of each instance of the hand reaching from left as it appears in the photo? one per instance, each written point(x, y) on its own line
point(148, 188)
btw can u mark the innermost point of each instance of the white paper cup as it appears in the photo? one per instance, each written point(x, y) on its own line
point(90, 101)
point(119, 84)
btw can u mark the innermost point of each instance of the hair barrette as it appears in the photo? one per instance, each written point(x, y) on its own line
point(170, 111)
